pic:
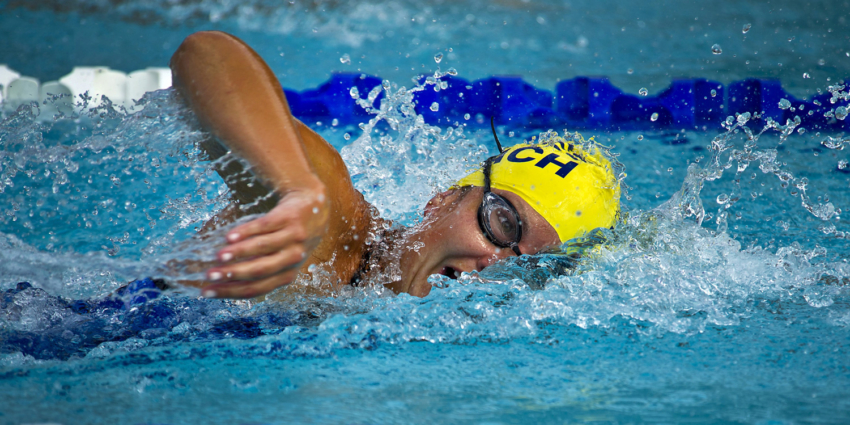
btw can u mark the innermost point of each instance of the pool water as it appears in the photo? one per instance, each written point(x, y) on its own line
point(722, 297)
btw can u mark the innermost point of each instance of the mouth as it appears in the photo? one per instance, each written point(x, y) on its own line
point(450, 272)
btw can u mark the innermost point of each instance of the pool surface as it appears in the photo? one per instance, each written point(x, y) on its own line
point(722, 297)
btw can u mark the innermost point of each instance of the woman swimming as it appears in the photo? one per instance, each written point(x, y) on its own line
point(524, 200)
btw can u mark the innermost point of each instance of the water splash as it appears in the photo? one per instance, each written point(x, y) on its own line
point(102, 193)
point(399, 161)
point(661, 270)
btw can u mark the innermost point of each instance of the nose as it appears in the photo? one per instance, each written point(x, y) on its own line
point(492, 257)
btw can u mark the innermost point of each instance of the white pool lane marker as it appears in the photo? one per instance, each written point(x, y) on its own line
point(120, 88)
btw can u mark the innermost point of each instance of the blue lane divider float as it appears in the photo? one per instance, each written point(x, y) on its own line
point(590, 103)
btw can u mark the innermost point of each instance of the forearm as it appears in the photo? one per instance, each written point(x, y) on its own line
point(238, 99)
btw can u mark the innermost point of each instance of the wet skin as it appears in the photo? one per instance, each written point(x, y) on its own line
point(453, 243)
point(319, 218)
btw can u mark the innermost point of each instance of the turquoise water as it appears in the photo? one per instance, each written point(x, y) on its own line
point(690, 312)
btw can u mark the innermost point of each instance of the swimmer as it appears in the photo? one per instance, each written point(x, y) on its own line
point(524, 200)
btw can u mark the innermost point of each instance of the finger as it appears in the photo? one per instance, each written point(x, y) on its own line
point(249, 289)
point(274, 220)
point(260, 267)
point(261, 245)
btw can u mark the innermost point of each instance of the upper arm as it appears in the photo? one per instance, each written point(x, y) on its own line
point(239, 100)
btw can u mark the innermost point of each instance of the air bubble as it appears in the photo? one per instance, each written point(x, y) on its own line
point(355, 94)
point(716, 49)
point(842, 164)
point(346, 136)
point(640, 137)
point(784, 104)
point(654, 116)
point(841, 113)
point(630, 71)
point(438, 57)
point(643, 91)
point(345, 59)
point(806, 75)
point(746, 28)
point(466, 116)
point(435, 107)
point(713, 93)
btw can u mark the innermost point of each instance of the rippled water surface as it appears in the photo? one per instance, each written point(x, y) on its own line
point(722, 296)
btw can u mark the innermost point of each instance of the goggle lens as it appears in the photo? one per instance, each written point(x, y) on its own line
point(501, 219)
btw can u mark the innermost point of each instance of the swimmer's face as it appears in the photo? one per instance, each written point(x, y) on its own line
point(452, 241)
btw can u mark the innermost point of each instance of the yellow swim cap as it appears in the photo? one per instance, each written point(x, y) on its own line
point(572, 187)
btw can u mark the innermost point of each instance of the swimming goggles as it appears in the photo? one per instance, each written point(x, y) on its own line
point(497, 217)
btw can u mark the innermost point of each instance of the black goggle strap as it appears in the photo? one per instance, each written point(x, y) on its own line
point(488, 165)
point(493, 127)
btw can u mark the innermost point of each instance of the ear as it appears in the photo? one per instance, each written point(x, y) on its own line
point(438, 200)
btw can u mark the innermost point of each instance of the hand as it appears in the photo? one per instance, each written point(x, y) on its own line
point(265, 254)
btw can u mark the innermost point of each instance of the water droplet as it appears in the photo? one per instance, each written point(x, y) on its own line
point(842, 164)
point(640, 137)
point(654, 116)
point(311, 268)
point(716, 49)
point(335, 122)
point(355, 94)
point(791, 39)
point(345, 59)
point(346, 136)
point(630, 71)
point(784, 104)
point(821, 62)
point(670, 169)
point(643, 91)
point(435, 107)
point(841, 112)
point(722, 198)
point(713, 93)
point(746, 28)
point(452, 72)
point(438, 57)
point(466, 116)
point(315, 210)
point(806, 75)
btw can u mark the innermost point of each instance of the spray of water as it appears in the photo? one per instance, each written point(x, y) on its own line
point(103, 196)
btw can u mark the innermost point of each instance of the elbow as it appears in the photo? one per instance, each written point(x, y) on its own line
point(198, 48)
